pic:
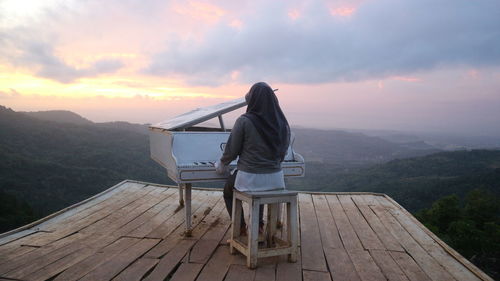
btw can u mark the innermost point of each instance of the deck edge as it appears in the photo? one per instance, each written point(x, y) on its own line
point(46, 218)
point(465, 262)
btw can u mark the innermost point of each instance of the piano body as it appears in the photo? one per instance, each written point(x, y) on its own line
point(188, 152)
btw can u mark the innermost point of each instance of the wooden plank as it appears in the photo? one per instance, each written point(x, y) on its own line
point(346, 231)
point(239, 273)
point(409, 267)
point(124, 215)
point(341, 266)
point(286, 271)
point(8, 239)
point(59, 265)
point(430, 266)
point(79, 269)
point(16, 252)
point(226, 237)
point(170, 261)
point(368, 199)
point(366, 235)
point(71, 216)
point(386, 204)
point(13, 245)
point(389, 267)
point(158, 226)
point(454, 267)
point(137, 270)
point(216, 268)
point(112, 267)
point(174, 221)
point(330, 237)
point(187, 272)
point(207, 244)
point(365, 266)
point(174, 249)
point(50, 237)
point(31, 256)
point(170, 242)
point(44, 268)
point(389, 241)
point(15, 234)
point(311, 247)
point(165, 199)
point(316, 276)
point(27, 268)
point(106, 206)
point(347, 203)
point(265, 272)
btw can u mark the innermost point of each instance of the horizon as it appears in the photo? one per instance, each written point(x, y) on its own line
point(232, 117)
point(361, 64)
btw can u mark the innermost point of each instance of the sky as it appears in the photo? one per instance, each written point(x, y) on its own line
point(413, 65)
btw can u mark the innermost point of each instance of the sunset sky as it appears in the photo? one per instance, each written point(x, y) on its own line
point(413, 65)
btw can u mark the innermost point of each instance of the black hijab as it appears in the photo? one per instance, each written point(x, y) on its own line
point(265, 113)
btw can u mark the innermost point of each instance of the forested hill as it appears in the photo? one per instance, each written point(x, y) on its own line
point(415, 182)
point(51, 165)
point(61, 158)
point(60, 116)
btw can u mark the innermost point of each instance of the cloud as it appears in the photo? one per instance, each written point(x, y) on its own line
point(39, 56)
point(11, 94)
point(380, 39)
point(206, 42)
point(31, 44)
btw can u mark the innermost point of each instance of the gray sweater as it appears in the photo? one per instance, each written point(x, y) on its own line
point(246, 142)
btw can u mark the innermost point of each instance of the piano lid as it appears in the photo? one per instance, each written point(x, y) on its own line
point(200, 115)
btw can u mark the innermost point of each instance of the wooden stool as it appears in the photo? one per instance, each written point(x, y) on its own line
point(275, 245)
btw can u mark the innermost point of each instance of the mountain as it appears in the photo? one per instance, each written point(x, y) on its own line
point(51, 165)
point(414, 182)
point(65, 116)
point(348, 149)
point(440, 140)
point(60, 116)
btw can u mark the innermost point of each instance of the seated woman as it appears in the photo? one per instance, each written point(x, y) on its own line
point(260, 138)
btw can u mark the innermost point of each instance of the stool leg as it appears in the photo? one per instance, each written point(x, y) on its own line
point(253, 235)
point(292, 229)
point(236, 223)
point(279, 224)
point(272, 219)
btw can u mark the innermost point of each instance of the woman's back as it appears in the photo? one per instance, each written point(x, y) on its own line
point(255, 156)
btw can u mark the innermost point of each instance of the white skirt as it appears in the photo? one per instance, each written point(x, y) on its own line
point(248, 182)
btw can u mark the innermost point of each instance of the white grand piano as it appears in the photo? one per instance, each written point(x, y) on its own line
point(189, 152)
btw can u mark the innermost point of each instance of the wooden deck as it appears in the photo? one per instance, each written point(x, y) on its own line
point(133, 230)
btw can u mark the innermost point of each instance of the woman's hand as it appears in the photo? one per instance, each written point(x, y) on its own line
point(220, 168)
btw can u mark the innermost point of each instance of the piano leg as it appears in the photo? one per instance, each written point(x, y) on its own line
point(181, 196)
point(187, 208)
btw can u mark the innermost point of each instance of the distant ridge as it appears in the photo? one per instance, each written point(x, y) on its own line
point(69, 117)
point(59, 116)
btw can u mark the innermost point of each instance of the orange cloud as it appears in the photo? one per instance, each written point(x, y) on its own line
point(235, 74)
point(407, 79)
point(200, 11)
point(293, 14)
point(473, 73)
point(343, 11)
point(236, 24)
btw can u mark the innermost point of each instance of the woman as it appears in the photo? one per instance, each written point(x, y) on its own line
point(260, 138)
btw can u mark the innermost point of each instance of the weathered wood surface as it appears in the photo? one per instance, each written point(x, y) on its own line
point(134, 232)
